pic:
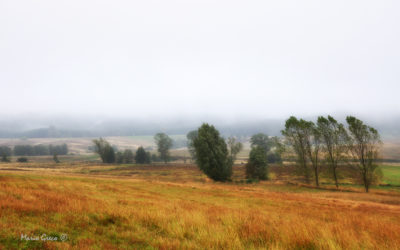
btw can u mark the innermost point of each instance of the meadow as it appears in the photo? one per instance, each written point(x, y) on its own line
point(175, 206)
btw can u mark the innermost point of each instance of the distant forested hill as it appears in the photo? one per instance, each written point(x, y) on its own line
point(389, 129)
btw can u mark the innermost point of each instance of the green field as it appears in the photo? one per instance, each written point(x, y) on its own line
point(391, 174)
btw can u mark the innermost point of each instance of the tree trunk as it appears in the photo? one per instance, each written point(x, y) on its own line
point(306, 171)
point(307, 175)
point(366, 184)
point(335, 177)
point(316, 176)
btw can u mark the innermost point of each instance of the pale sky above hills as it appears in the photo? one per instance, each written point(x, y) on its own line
point(196, 58)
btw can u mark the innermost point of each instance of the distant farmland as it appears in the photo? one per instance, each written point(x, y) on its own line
point(79, 146)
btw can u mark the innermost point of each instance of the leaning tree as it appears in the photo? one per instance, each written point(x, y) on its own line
point(364, 145)
point(105, 150)
point(212, 154)
point(334, 139)
point(305, 139)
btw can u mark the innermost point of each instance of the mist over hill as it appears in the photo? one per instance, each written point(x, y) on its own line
point(57, 127)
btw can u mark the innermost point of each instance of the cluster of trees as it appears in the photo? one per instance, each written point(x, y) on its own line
point(215, 156)
point(315, 145)
point(330, 143)
point(104, 150)
point(109, 154)
point(125, 156)
point(257, 166)
point(264, 150)
point(29, 150)
point(35, 150)
point(142, 156)
point(5, 153)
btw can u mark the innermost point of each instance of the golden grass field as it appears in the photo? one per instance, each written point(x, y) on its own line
point(177, 207)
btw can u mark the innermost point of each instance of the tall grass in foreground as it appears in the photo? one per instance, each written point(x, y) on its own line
point(115, 213)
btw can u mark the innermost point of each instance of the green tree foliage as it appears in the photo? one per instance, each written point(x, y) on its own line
point(164, 144)
point(105, 150)
point(190, 138)
point(58, 149)
point(109, 154)
point(154, 157)
point(278, 150)
point(55, 158)
point(234, 148)
point(261, 140)
point(4, 150)
point(305, 139)
point(124, 157)
point(5, 158)
point(29, 150)
point(22, 159)
point(119, 157)
point(313, 146)
point(23, 150)
point(41, 150)
point(257, 166)
point(212, 153)
point(274, 157)
point(364, 145)
point(273, 148)
point(128, 156)
point(148, 157)
point(335, 138)
point(5, 153)
point(142, 156)
point(297, 138)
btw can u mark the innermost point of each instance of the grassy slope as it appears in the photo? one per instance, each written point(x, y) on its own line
point(177, 207)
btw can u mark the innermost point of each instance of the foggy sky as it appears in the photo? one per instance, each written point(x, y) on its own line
point(196, 58)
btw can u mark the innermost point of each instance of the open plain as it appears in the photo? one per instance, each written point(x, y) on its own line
point(175, 206)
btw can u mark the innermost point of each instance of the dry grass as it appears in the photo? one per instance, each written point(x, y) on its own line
point(175, 207)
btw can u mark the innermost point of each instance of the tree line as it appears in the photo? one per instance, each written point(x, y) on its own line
point(215, 156)
point(329, 143)
point(108, 154)
point(326, 143)
point(34, 150)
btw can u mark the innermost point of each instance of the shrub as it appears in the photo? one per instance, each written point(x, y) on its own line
point(22, 159)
